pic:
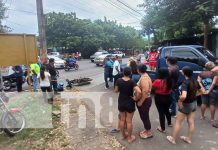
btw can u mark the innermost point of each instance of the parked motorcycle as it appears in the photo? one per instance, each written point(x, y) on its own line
point(12, 121)
point(67, 66)
point(10, 81)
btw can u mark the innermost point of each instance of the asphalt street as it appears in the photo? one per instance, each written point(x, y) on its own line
point(205, 136)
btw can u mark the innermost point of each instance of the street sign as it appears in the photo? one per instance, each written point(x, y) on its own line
point(17, 49)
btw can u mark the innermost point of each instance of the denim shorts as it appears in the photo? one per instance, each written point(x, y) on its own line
point(209, 99)
point(188, 108)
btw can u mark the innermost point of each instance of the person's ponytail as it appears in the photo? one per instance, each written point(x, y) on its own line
point(42, 73)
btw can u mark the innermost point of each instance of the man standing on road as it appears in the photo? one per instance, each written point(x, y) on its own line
point(108, 64)
point(116, 70)
point(35, 70)
point(51, 69)
point(19, 76)
point(174, 75)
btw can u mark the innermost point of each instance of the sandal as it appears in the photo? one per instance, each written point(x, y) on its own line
point(185, 139)
point(202, 118)
point(170, 125)
point(160, 130)
point(146, 136)
point(114, 130)
point(132, 139)
point(126, 135)
point(142, 132)
point(212, 121)
point(171, 140)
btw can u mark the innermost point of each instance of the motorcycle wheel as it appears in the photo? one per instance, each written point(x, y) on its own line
point(66, 68)
point(76, 66)
point(13, 123)
point(7, 85)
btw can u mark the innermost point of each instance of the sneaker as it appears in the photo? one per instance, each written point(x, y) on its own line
point(106, 87)
point(173, 116)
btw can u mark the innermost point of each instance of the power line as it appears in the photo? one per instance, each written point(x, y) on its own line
point(106, 6)
point(24, 11)
point(127, 10)
point(121, 9)
point(129, 7)
point(69, 4)
point(20, 24)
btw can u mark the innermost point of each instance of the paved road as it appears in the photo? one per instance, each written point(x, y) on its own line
point(205, 137)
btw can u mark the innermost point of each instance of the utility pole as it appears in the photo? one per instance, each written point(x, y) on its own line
point(41, 29)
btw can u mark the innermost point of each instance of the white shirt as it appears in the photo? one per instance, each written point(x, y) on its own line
point(45, 82)
point(116, 64)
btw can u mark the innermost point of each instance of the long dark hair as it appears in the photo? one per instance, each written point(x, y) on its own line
point(188, 72)
point(163, 73)
point(127, 71)
point(134, 67)
point(42, 73)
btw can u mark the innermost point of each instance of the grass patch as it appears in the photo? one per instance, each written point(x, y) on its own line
point(36, 138)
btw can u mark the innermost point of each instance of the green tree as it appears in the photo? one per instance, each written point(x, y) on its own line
point(3, 28)
point(68, 32)
point(168, 19)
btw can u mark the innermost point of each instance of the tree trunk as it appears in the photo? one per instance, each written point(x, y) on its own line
point(149, 39)
point(206, 31)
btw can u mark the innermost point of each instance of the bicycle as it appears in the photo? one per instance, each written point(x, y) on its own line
point(12, 120)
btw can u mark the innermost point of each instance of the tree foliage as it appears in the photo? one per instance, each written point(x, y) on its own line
point(168, 19)
point(3, 28)
point(71, 33)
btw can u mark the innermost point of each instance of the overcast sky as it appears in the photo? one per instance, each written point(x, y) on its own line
point(22, 13)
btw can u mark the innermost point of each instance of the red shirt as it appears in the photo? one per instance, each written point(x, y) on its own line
point(160, 87)
point(152, 56)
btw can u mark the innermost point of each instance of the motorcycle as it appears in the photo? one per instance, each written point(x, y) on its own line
point(12, 120)
point(78, 82)
point(10, 81)
point(67, 66)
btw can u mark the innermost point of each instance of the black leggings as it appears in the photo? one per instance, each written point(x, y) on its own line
point(19, 84)
point(46, 89)
point(144, 113)
point(163, 104)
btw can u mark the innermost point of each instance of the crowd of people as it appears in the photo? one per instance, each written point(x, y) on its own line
point(135, 86)
point(42, 77)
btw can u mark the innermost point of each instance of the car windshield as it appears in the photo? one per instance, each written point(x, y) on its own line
point(207, 53)
point(98, 53)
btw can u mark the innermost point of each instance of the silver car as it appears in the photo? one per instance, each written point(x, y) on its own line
point(92, 57)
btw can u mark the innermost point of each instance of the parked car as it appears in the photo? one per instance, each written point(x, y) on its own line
point(99, 60)
point(118, 53)
point(56, 54)
point(98, 53)
point(59, 63)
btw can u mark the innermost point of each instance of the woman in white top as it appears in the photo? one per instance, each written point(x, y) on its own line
point(44, 80)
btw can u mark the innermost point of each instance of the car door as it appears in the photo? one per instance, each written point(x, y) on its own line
point(187, 57)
